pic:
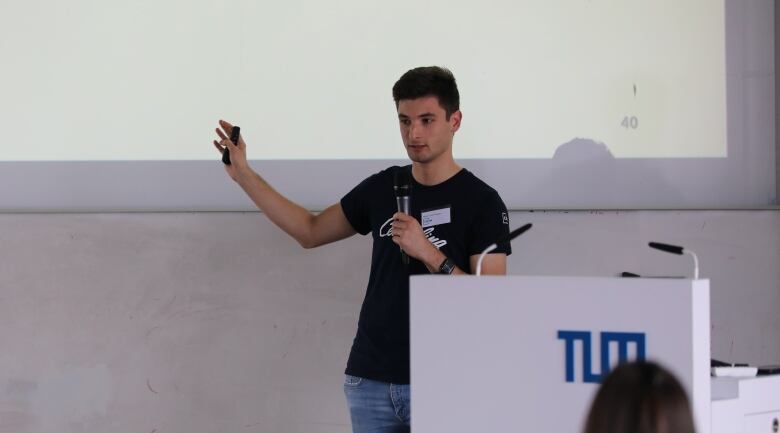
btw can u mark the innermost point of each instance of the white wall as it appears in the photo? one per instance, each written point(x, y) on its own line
point(217, 322)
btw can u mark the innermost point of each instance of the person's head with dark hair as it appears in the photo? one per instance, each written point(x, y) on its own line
point(428, 105)
point(640, 397)
point(429, 81)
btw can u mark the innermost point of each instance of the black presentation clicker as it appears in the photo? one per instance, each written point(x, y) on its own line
point(234, 133)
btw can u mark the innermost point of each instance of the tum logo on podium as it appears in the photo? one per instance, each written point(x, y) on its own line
point(622, 340)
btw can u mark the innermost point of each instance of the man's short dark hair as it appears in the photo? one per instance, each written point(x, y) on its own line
point(429, 81)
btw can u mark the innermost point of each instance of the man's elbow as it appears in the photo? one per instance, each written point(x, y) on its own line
point(493, 266)
point(308, 243)
point(306, 237)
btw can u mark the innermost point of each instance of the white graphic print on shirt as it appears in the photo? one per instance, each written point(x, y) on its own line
point(387, 230)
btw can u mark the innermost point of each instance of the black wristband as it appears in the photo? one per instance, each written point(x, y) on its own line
point(447, 266)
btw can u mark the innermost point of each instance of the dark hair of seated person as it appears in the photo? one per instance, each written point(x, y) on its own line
point(640, 397)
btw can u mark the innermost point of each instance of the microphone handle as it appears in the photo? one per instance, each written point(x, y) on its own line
point(404, 203)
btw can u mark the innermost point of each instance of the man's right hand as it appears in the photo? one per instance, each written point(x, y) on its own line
point(309, 230)
point(238, 163)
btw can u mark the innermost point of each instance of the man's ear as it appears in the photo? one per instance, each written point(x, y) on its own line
point(455, 119)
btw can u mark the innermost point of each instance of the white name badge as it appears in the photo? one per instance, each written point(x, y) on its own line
point(435, 217)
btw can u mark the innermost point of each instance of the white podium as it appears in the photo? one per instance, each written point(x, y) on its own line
point(525, 354)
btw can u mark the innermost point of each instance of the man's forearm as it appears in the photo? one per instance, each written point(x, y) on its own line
point(290, 217)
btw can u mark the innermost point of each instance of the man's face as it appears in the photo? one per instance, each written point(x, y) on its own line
point(425, 130)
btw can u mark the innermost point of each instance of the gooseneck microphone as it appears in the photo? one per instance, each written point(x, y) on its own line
point(502, 240)
point(402, 185)
point(673, 249)
point(667, 248)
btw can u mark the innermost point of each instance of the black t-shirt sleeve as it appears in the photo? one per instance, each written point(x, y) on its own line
point(356, 206)
point(491, 222)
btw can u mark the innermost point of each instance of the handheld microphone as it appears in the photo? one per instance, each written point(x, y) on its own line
point(502, 240)
point(673, 249)
point(402, 185)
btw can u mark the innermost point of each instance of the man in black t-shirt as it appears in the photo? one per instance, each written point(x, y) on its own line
point(454, 216)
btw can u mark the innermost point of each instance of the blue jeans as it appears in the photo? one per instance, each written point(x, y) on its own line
point(377, 407)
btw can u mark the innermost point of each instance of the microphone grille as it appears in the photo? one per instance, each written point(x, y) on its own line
point(402, 176)
point(402, 181)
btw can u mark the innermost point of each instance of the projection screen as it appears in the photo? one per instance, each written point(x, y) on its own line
point(566, 104)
